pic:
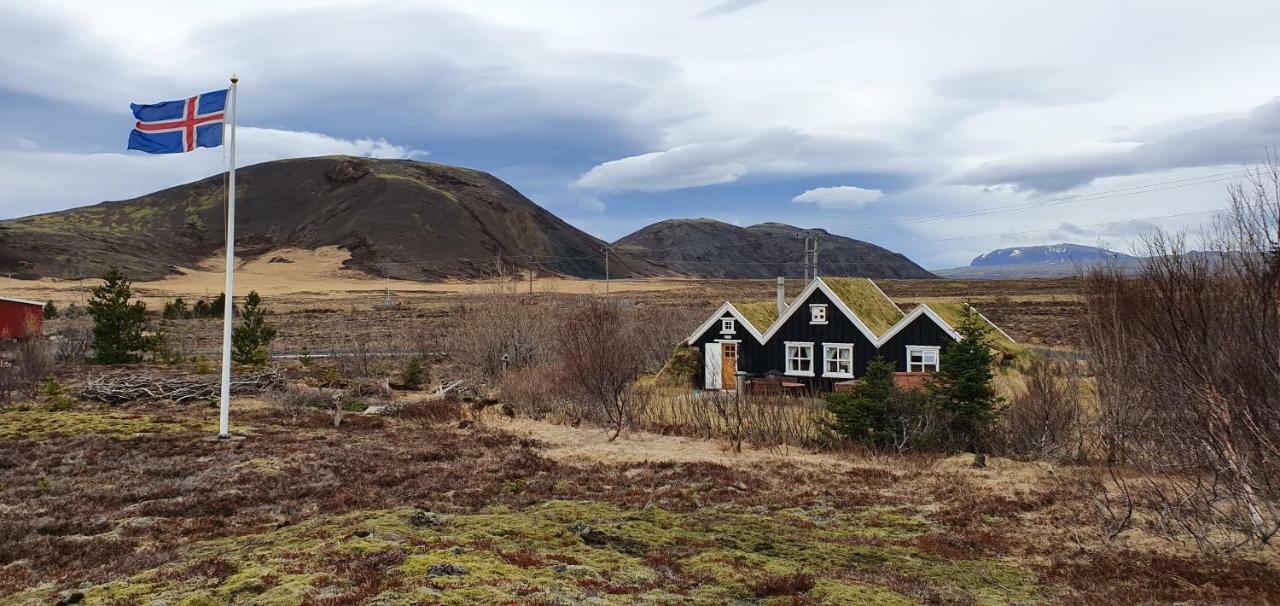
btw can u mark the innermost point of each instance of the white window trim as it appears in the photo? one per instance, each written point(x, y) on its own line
point(937, 352)
point(730, 324)
point(823, 307)
point(786, 357)
point(826, 356)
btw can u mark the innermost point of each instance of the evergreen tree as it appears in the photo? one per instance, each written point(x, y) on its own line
point(250, 338)
point(201, 309)
point(50, 311)
point(218, 306)
point(876, 413)
point(962, 386)
point(414, 374)
point(117, 322)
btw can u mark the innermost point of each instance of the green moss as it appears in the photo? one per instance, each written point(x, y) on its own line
point(571, 551)
point(844, 592)
point(952, 313)
point(761, 314)
point(866, 301)
point(681, 367)
point(41, 424)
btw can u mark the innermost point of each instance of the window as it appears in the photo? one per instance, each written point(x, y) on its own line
point(726, 325)
point(837, 360)
point(799, 359)
point(817, 314)
point(922, 357)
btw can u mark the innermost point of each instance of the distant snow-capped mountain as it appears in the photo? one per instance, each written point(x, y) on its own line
point(1052, 254)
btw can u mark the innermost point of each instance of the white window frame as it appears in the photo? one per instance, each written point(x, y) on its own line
point(727, 326)
point(818, 313)
point(827, 350)
point(923, 349)
point(788, 358)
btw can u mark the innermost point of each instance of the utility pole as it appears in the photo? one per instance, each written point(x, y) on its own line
point(606, 270)
point(817, 236)
point(531, 277)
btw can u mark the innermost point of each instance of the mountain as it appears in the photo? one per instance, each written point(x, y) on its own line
point(1053, 260)
point(713, 249)
point(397, 218)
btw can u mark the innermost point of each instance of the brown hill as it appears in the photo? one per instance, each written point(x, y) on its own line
point(714, 249)
point(398, 218)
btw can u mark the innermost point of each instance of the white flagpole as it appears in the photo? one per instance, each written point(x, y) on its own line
point(228, 306)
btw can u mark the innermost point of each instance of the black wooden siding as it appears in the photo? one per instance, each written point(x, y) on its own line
point(921, 331)
point(838, 329)
point(748, 347)
point(756, 359)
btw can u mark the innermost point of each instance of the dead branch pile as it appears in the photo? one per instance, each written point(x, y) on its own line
point(116, 389)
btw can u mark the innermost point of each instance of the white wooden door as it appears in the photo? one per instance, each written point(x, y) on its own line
point(712, 364)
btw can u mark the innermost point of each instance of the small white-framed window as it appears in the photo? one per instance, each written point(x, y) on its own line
point(799, 359)
point(923, 357)
point(726, 325)
point(837, 360)
point(818, 314)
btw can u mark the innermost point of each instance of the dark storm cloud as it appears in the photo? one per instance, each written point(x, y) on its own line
point(1236, 140)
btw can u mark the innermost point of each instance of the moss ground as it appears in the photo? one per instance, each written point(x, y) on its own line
point(128, 506)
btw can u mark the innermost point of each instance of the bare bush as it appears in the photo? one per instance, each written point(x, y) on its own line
point(1046, 418)
point(498, 333)
point(32, 364)
point(364, 357)
point(597, 346)
point(74, 341)
point(1188, 372)
point(762, 421)
point(659, 330)
point(293, 400)
point(535, 391)
point(428, 413)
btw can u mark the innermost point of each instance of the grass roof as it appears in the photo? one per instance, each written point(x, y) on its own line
point(867, 302)
point(952, 313)
point(761, 314)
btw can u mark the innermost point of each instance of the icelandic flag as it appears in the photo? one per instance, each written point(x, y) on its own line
point(172, 127)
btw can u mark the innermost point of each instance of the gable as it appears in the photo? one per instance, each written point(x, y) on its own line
point(742, 326)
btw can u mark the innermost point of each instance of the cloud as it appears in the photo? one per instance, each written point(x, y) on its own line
point(35, 181)
point(728, 6)
point(770, 154)
point(1028, 85)
point(1240, 139)
point(839, 197)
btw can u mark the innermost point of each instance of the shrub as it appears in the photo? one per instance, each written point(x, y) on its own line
point(782, 584)
point(50, 311)
point(117, 322)
point(414, 375)
point(428, 413)
point(599, 364)
point(878, 414)
point(1046, 419)
point(252, 336)
point(961, 389)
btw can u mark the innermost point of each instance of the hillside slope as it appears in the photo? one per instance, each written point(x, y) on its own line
point(714, 249)
point(398, 218)
point(1045, 261)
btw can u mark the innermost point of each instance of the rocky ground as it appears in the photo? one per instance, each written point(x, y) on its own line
point(132, 505)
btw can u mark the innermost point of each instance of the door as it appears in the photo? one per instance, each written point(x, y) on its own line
point(711, 362)
point(729, 365)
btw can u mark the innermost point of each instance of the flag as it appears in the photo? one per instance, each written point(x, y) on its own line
point(172, 127)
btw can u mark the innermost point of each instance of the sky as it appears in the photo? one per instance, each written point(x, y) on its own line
point(938, 130)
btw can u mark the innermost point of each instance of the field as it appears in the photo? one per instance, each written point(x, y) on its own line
point(132, 504)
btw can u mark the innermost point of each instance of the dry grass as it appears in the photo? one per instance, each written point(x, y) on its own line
point(322, 514)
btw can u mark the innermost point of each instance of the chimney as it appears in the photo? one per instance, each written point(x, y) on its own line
point(782, 295)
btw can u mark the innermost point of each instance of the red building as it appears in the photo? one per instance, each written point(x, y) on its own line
point(20, 318)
